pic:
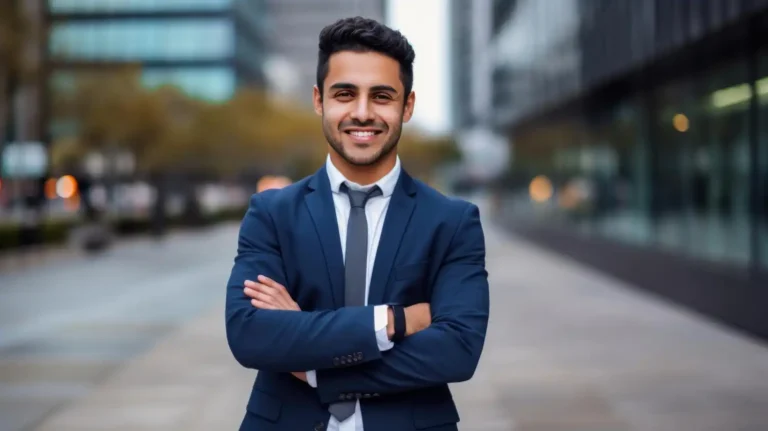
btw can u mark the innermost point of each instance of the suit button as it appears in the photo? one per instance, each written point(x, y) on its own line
point(320, 426)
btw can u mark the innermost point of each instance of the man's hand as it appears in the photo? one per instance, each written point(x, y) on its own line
point(417, 318)
point(268, 294)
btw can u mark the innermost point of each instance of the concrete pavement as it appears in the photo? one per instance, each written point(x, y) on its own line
point(567, 349)
point(68, 323)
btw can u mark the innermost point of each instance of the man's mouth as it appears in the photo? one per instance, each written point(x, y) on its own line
point(362, 135)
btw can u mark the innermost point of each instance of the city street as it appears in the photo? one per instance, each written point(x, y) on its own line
point(134, 340)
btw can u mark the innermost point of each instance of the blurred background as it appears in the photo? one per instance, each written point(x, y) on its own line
point(150, 113)
point(629, 137)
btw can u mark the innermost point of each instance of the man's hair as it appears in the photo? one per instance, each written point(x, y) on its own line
point(364, 35)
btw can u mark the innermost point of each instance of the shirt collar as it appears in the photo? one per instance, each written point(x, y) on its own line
point(387, 183)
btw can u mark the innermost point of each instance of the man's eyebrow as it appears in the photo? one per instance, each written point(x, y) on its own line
point(343, 86)
point(384, 88)
point(348, 86)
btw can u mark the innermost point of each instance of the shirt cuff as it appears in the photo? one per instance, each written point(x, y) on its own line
point(312, 378)
point(380, 320)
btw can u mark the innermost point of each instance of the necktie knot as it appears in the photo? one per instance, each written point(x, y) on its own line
point(358, 198)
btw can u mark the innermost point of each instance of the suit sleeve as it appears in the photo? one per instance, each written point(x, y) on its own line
point(446, 352)
point(287, 341)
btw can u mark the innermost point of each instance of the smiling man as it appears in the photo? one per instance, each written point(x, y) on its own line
point(359, 293)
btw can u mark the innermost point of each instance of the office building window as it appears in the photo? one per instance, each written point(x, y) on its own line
point(626, 176)
point(762, 90)
point(674, 142)
point(723, 186)
point(74, 6)
point(121, 40)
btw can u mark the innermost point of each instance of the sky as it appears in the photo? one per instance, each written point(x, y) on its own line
point(425, 24)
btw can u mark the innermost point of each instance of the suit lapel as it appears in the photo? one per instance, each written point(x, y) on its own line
point(320, 204)
point(401, 207)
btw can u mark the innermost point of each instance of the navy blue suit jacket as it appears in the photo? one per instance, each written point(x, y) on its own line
point(431, 250)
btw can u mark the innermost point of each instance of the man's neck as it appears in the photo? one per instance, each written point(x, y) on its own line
point(364, 175)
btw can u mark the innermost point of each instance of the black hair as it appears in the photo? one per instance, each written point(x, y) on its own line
point(364, 35)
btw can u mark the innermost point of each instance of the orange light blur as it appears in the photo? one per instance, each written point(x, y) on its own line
point(540, 189)
point(66, 186)
point(50, 189)
point(272, 182)
point(681, 123)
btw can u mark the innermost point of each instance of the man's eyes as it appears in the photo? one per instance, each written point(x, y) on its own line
point(379, 96)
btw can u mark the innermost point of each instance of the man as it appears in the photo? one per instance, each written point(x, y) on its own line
point(359, 292)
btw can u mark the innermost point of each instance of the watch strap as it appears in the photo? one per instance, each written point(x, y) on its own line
point(399, 314)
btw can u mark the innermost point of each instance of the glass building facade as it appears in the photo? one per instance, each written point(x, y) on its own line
point(644, 123)
point(205, 47)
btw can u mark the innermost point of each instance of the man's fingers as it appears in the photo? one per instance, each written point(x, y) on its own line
point(271, 291)
point(262, 305)
point(271, 283)
point(256, 294)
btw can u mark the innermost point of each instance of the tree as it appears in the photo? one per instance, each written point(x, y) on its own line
point(169, 132)
point(16, 29)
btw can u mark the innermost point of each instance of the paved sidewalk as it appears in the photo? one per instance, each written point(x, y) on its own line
point(567, 349)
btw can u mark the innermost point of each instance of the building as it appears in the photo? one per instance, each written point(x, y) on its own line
point(294, 29)
point(485, 154)
point(646, 123)
point(461, 52)
point(206, 47)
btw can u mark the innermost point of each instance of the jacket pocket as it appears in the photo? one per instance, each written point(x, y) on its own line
point(264, 405)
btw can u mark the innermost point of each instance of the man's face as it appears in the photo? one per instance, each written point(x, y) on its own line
point(363, 106)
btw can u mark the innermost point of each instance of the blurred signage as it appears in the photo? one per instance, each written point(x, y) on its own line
point(24, 160)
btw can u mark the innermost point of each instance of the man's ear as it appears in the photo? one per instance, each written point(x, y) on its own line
point(410, 103)
point(317, 100)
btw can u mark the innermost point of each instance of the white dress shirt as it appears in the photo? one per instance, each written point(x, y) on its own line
point(375, 213)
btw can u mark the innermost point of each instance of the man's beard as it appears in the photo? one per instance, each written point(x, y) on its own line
point(388, 147)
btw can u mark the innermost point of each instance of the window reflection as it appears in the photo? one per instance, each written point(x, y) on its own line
point(670, 168)
point(674, 142)
point(762, 88)
point(123, 39)
point(64, 6)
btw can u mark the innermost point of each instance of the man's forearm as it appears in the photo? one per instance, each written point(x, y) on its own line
point(437, 355)
point(286, 341)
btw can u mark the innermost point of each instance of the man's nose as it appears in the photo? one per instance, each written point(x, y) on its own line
point(362, 111)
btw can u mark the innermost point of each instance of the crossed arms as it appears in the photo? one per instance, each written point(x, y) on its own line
point(341, 344)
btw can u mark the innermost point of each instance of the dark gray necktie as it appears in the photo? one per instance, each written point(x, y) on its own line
point(356, 260)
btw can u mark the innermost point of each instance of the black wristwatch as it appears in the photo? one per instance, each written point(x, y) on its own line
point(399, 314)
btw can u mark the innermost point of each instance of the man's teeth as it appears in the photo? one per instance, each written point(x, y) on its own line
point(362, 134)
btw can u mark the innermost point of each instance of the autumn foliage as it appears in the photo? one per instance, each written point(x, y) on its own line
point(168, 131)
